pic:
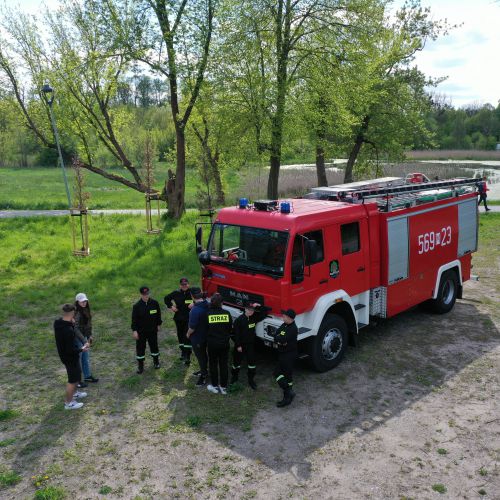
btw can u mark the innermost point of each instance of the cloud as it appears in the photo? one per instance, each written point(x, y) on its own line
point(468, 55)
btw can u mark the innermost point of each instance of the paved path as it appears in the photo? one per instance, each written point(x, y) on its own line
point(10, 214)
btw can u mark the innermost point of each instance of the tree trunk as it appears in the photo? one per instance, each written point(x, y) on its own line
point(320, 166)
point(353, 155)
point(176, 190)
point(220, 196)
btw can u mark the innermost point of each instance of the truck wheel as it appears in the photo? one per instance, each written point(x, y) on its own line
point(447, 293)
point(328, 347)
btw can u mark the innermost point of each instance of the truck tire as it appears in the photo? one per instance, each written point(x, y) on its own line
point(328, 347)
point(447, 293)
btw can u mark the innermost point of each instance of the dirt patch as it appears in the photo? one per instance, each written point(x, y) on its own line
point(413, 412)
point(416, 406)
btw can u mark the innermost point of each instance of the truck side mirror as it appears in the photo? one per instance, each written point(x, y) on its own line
point(311, 251)
point(199, 236)
point(204, 257)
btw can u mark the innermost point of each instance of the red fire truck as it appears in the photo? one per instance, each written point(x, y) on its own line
point(343, 255)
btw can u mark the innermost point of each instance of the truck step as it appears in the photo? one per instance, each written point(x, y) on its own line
point(361, 325)
point(357, 307)
point(303, 356)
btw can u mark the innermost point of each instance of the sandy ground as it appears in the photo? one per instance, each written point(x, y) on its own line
point(416, 405)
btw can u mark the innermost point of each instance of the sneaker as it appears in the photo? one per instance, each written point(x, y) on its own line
point(79, 394)
point(213, 389)
point(157, 365)
point(222, 390)
point(91, 379)
point(201, 381)
point(187, 361)
point(488, 209)
point(252, 384)
point(196, 374)
point(72, 405)
point(139, 371)
point(81, 385)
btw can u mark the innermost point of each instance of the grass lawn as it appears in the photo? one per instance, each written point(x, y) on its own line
point(38, 274)
point(43, 189)
point(46, 452)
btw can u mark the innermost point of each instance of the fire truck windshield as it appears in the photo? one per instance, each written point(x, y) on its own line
point(248, 249)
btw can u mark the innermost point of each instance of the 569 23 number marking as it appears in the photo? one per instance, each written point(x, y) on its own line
point(429, 241)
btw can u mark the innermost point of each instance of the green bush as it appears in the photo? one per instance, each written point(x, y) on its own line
point(50, 493)
point(9, 478)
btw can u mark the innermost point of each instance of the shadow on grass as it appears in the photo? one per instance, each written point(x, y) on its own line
point(397, 364)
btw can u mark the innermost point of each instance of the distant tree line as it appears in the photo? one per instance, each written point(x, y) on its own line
point(474, 126)
point(221, 84)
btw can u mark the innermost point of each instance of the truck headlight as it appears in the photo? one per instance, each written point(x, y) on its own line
point(270, 330)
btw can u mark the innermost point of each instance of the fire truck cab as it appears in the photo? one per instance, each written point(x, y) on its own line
point(342, 256)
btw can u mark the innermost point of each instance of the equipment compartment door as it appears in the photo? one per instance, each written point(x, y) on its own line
point(354, 271)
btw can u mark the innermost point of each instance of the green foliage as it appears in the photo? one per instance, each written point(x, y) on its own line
point(7, 414)
point(50, 493)
point(8, 478)
point(470, 127)
point(440, 488)
point(104, 490)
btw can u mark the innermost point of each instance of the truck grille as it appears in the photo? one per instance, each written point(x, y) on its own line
point(238, 297)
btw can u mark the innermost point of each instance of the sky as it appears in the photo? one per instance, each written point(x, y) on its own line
point(469, 56)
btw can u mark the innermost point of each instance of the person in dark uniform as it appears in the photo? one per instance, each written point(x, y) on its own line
point(244, 342)
point(146, 321)
point(286, 338)
point(180, 302)
point(197, 333)
point(219, 331)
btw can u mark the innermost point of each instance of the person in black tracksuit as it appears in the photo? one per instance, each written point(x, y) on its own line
point(146, 321)
point(69, 352)
point(219, 330)
point(286, 338)
point(244, 342)
point(180, 302)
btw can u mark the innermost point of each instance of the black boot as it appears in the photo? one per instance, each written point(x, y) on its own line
point(234, 375)
point(288, 396)
point(183, 354)
point(251, 378)
point(156, 362)
point(187, 357)
point(140, 366)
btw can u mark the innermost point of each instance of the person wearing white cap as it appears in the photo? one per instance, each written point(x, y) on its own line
point(83, 330)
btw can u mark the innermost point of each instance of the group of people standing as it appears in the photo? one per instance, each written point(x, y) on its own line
point(205, 329)
point(73, 332)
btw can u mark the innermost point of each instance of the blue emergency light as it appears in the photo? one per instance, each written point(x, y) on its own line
point(285, 207)
point(243, 202)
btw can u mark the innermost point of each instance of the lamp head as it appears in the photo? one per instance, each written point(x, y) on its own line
point(49, 93)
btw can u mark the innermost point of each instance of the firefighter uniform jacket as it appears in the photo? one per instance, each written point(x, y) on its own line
point(244, 328)
point(219, 326)
point(146, 316)
point(286, 337)
point(182, 300)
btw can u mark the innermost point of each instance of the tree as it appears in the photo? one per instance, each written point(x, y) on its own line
point(84, 64)
point(92, 46)
point(395, 103)
point(177, 47)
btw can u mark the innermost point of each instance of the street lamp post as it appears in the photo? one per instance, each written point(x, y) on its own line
point(48, 91)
